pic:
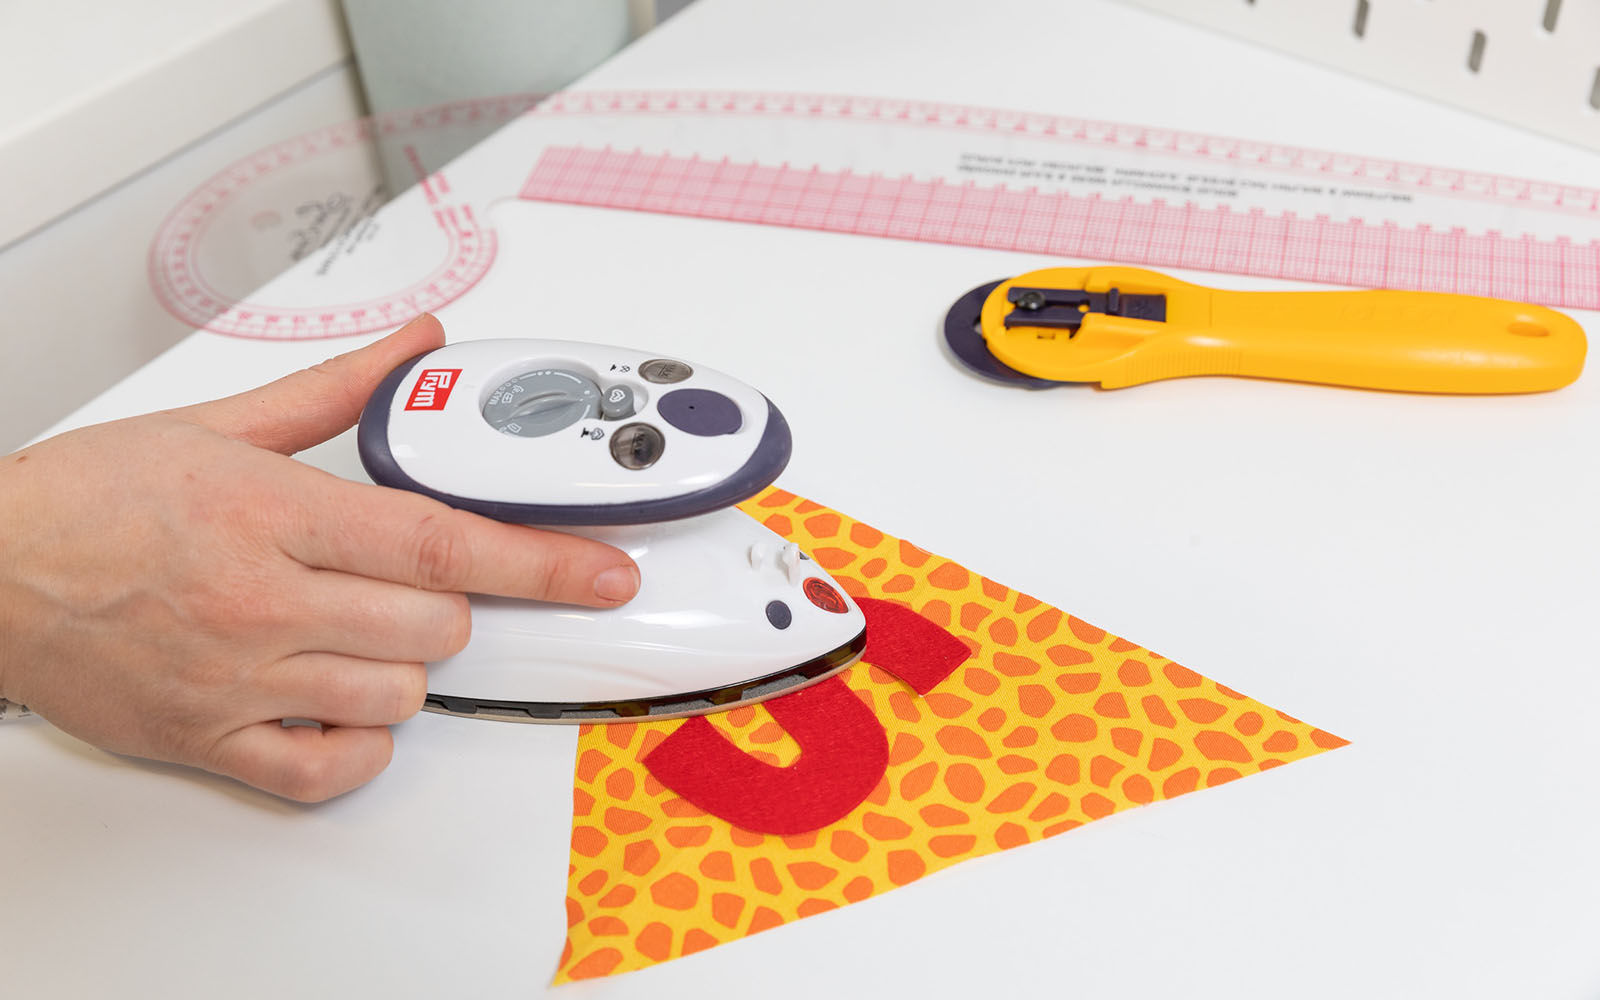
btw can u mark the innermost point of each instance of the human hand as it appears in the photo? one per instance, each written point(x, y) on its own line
point(173, 585)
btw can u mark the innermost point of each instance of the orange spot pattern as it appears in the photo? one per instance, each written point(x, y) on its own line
point(1052, 723)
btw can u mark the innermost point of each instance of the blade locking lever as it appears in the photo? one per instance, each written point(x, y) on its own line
point(1064, 308)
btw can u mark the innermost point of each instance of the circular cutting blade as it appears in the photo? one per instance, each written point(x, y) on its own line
point(962, 333)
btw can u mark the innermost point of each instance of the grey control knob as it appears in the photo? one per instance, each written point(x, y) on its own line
point(617, 403)
point(542, 402)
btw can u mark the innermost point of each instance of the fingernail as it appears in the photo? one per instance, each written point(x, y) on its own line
point(413, 321)
point(619, 583)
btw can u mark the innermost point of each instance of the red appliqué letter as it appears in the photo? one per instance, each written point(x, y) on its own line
point(844, 750)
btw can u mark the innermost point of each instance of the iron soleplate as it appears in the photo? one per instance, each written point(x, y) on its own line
point(675, 706)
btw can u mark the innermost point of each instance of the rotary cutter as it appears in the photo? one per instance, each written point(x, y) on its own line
point(644, 452)
point(1122, 326)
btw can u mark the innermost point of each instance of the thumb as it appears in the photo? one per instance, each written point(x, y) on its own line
point(311, 406)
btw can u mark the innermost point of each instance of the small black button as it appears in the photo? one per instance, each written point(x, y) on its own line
point(779, 615)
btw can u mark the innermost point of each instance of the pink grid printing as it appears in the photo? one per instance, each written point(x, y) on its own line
point(1154, 233)
point(1330, 166)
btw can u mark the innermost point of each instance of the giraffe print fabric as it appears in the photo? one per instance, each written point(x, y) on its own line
point(1046, 724)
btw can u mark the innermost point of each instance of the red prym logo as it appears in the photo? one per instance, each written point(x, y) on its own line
point(432, 390)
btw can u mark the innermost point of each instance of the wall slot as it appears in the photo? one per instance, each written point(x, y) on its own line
point(1362, 8)
point(1552, 10)
point(1480, 41)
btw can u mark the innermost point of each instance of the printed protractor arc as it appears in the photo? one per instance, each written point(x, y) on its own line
point(980, 177)
point(315, 195)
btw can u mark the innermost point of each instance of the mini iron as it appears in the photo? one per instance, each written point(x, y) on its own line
point(642, 452)
point(1121, 326)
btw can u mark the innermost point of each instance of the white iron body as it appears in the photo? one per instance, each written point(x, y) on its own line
point(698, 636)
point(728, 612)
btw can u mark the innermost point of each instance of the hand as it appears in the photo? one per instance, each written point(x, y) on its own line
point(173, 585)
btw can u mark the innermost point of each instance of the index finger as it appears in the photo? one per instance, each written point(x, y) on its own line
point(389, 534)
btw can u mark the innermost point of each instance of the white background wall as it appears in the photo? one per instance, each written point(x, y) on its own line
point(110, 114)
point(1533, 63)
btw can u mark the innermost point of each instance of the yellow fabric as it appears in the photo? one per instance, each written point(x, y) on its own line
point(1052, 723)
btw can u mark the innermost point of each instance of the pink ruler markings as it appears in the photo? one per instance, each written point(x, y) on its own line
point(176, 265)
point(1195, 147)
point(1559, 272)
point(1155, 233)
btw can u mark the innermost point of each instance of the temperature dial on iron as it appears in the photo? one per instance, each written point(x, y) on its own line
point(542, 402)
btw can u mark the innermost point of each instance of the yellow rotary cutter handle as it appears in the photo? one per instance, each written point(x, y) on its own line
point(1122, 326)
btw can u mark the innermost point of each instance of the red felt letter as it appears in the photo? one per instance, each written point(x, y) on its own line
point(843, 748)
point(908, 645)
point(843, 753)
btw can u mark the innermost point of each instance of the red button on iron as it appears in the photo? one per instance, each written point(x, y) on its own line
point(824, 596)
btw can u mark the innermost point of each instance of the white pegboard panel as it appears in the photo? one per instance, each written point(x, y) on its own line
point(1533, 63)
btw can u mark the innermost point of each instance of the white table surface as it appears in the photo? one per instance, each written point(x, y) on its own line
point(1416, 574)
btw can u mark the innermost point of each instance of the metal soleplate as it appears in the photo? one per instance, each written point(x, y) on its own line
point(674, 706)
